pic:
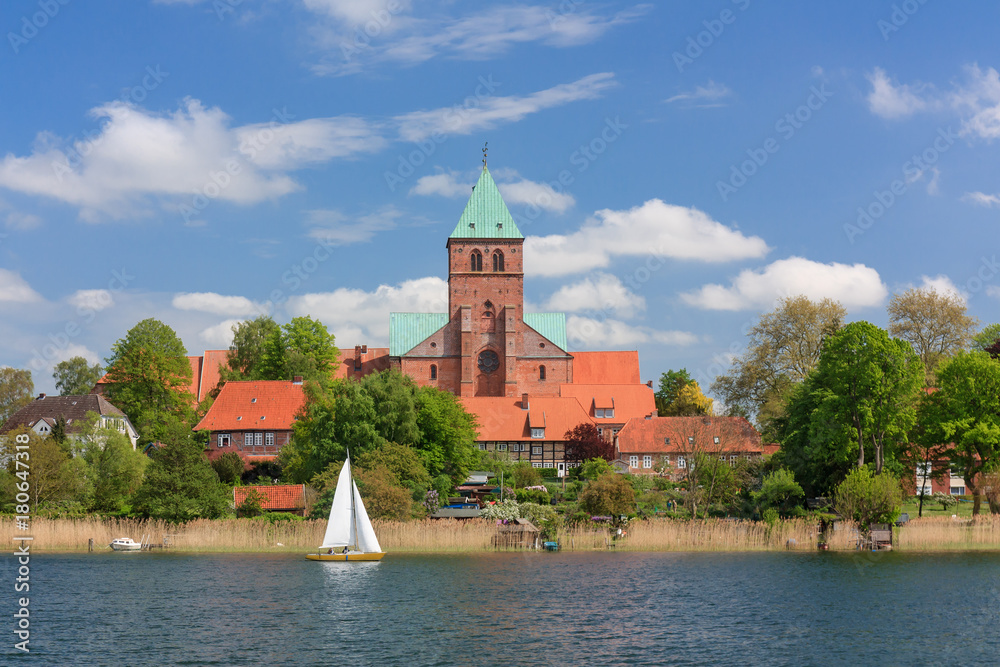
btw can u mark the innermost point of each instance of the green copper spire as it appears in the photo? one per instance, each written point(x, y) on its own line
point(486, 215)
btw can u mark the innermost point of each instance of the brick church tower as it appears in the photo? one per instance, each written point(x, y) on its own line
point(485, 345)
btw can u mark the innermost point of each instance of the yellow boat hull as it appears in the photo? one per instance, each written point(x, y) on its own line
point(345, 557)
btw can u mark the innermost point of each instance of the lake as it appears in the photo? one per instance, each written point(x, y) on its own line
point(484, 609)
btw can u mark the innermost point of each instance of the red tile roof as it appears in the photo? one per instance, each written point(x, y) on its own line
point(279, 497)
point(502, 419)
point(606, 367)
point(254, 406)
point(630, 401)
point(649, 436)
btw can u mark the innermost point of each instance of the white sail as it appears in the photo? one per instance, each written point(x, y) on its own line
point(340, 527)
point(367, 542)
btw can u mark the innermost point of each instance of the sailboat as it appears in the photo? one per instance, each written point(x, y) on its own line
point(349, 533)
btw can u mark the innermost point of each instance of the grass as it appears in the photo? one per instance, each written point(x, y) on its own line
point(932, 509)
point(453, 536)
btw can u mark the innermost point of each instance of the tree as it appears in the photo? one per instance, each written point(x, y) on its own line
point(16, 391)
point(936, 324)
point(447, 434)
point(583, 442)
point(594, 468)
point(867, 498)
point(690, 402)
point(149, 377)
point(926, 452)
point(180, 484)
point(966, 411)
point(229, 467)
point(301, 347)
point(871, 382)
point(76, 376)
point(401, 461)
point(115, 469)
point(245, 358)
point(779, 491)
point(671, 384)
point(610, 494)
point(988, 337)
point(784, 347)
point(53, 475)
point(711, 481)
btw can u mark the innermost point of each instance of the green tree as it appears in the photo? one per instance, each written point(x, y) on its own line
point(252, 504)
point(671, 384)
point(301, 347)
point(872, 383)
point(986, 338)
point(149, 378)
point(76, 376)
point(610, 494)
point(784, 346)
point(936, 324)
point(401, 461)
point(447, 434)
point(115, 468)
point(966, 411)
point(711, 480)
point(16, 391)
point(868, 498)
point(594, 468)
point(53, 475)
point(180, 484)
point(229, 467)
point(246, 354)
point(779, 491)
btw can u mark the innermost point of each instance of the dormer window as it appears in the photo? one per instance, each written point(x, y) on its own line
point(476, 261)
point(538, 433)
point(253, 400)
point(716, 439)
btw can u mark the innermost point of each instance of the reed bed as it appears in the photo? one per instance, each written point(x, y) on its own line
point(453, 536)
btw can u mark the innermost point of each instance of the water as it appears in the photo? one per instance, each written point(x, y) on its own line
point(503, 609)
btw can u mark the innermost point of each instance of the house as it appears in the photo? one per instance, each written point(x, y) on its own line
point(668, 445)
point(42, 414)
point(252, 418)
point(277, 498)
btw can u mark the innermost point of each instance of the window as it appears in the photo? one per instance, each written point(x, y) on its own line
point(681, 462)
point(647, 461)
point(666, 441)
point(269, 439)
point(476, 260)
point(690, 439)
point(357, 365)
point(924, 469)
point(538, 433)
point(497, 261)
point(609, 413)
point(501, 446)
point(536, 464)
point(541, 372)
point(482, 446)
point(489, 361)
point(598, 413)
point(434, 372)
point(258, 439)
point(536, 451)
point(958, 490)
point(732, 459)
point(547, 464)
point(666, 459)
point(633, 461)
point(223, 440)
point(722, 458)
point(715, 439)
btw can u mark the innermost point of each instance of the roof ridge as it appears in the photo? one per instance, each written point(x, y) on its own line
point(487, 208)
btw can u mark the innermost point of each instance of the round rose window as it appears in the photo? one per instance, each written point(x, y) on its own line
point(488, 361)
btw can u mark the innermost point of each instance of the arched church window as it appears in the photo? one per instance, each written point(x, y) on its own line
point(541, 372)
point(477, 260)
point(489, 323)
point(434, 372)
point(497, 261)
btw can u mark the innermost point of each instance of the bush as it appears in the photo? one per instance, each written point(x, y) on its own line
point(229, 467)
point(252, 504)
point(609, 494)
point(506, 510)
point(594, 468)
point(779, 491)
point(946, 501)
point(526, 475)
point(867, 498)
point(533, 496)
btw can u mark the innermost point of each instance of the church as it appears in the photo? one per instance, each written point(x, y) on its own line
point(511, 368)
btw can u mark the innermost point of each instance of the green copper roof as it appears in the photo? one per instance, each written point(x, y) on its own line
point(486, 216)
point(550, 325)
point(406, 330)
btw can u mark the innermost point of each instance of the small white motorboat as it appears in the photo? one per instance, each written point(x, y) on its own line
point(125, 544)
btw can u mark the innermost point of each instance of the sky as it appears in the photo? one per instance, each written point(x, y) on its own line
point(676, 168)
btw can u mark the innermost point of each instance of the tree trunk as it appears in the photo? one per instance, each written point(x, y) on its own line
point(861, 445)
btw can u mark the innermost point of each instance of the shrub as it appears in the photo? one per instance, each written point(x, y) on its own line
point(867, 498)
point(946, 501)
point(506, 510)
point(609, 494)
point(594, 468)
point(252, 504)
point(533, 495)
point(526, 475)
point(229, 467)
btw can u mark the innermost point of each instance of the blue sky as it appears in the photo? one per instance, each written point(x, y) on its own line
point(675, 167)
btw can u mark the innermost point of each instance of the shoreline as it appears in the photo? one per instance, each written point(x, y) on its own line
point(450, 536)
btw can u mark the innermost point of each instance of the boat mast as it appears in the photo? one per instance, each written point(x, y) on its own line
point(354, 510)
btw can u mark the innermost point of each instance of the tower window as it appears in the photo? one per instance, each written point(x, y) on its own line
point(477, 260)
point(434, 372)
point(497, 261)
point(541, 372)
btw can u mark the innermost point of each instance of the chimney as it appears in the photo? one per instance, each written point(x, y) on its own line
point(364, 349)
point(296, 379)
point(649, 383)
point(524, 401)
point(41, 396)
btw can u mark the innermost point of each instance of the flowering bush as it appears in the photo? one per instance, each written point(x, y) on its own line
point(505, 510)
point(432, 501)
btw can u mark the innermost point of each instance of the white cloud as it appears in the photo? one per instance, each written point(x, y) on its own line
point(703, 96)
point(852, 285)
point(357, 316)
point(138, 156)
point(22, 221)
point(942, 284)
point(889, 100)
point(655, 230)
point(515, 190)
point(15, 289)
point(934, 185)
point(334, 228)
point(219, 336)
point(588, 333)
point(370, 32)
point(982, 199)
point(92, 299)
point(601, 292)
point(993, 290)
point(491, 111)
point(210, 302)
